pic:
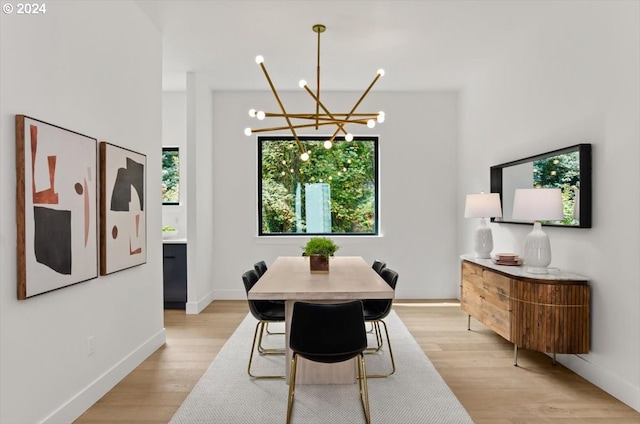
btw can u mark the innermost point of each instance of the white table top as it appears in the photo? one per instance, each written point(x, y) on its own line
point(349, 277)
point(520, 271)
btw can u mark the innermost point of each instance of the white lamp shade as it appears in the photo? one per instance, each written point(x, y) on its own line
point(483, 205)
point(538, 204)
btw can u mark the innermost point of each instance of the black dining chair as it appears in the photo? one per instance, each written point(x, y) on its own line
point(260, 267)
point(328, 333)
point(265, 312)
point(375, 310)
point(378, 266)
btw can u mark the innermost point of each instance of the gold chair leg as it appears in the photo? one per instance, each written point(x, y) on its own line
point(375, 328)
point(362, 384)
point(260, 325)
point(292, 386)
point(364, 388)
point(393, 362)
point(263, 350)
point(272, 332)
point(378, 334)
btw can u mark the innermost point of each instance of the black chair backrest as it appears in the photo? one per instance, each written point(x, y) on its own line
point(390, 276)
point(328, 332)
point(380, 308)
point(256, 307)
point(250, 278)
point(378, 266)
point(260, 267)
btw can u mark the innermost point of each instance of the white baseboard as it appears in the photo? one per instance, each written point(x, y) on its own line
point(195, 308)
point(198, 306)
point(239, 294)
point(77, 405)
point(620, 389)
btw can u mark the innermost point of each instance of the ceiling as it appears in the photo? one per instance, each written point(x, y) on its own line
point(421, 44)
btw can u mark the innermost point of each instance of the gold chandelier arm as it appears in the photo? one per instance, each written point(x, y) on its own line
point(319, 29)
point(319, 104)
point(275, 93)
point(377, 77)
point(321, 124)
point(365, 116)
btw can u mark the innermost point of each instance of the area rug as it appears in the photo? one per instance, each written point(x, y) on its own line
point(415, 393)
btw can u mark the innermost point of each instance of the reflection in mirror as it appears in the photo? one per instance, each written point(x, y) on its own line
point(568, 169)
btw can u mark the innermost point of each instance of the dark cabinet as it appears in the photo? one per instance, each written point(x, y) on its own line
point(175, 275)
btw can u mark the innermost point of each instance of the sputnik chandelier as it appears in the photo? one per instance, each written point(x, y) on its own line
point(317, 119)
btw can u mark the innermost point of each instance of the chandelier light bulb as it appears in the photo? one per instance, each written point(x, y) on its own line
point(259, 59)
point(252, 113)
point(381, 117)
point(381, 72)
point(260, 114)
point(304, 157)
point(371, 123)
point(302, 83)
point(247, 131)
point(327, 144)
point(348, 137)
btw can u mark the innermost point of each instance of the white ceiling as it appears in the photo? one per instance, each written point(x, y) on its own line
point(421, 44)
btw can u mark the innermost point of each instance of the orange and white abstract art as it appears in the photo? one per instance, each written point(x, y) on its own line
point(56, 207)
point(123, 223)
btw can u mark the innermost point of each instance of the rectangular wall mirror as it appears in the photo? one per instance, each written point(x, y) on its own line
point(568, 169)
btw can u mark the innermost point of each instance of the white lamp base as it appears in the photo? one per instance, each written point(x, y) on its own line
point(537, 250)
point(483, 240)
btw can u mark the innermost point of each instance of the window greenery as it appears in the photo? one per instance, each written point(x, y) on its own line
point(170, 176)
point(345, 176)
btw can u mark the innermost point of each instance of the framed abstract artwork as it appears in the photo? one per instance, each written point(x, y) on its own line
point(56, 207)
point(123, 219)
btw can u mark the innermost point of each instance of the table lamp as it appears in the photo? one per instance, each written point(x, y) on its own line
point(483, 205)
point(537, 204)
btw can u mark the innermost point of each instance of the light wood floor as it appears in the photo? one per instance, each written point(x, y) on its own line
point(476, 364)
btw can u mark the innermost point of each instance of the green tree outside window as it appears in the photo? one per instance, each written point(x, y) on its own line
point(349, 169)
point(170, 176)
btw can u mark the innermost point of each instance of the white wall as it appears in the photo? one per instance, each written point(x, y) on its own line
point(417, 190)
point(174, 134)
point(577, 80)
point(70, 67)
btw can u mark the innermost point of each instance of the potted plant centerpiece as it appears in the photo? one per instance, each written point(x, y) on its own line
point(318, 249)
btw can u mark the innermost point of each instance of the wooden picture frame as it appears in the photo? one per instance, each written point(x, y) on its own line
point(56, 207)
point(123, 220)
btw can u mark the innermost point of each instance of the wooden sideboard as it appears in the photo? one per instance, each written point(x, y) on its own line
point(544, 312)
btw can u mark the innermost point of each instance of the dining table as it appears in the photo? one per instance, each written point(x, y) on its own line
point(289, 278)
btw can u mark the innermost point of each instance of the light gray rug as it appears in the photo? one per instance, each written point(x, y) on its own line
point(225, 394)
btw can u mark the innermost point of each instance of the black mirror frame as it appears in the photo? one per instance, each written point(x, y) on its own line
point(585, 183)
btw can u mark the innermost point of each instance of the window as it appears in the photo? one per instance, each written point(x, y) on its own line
point(170, 176)
point(334, 192)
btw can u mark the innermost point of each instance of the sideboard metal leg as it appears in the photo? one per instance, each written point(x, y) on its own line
point(515, 354)
point(553, 361)
point(468, 322)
